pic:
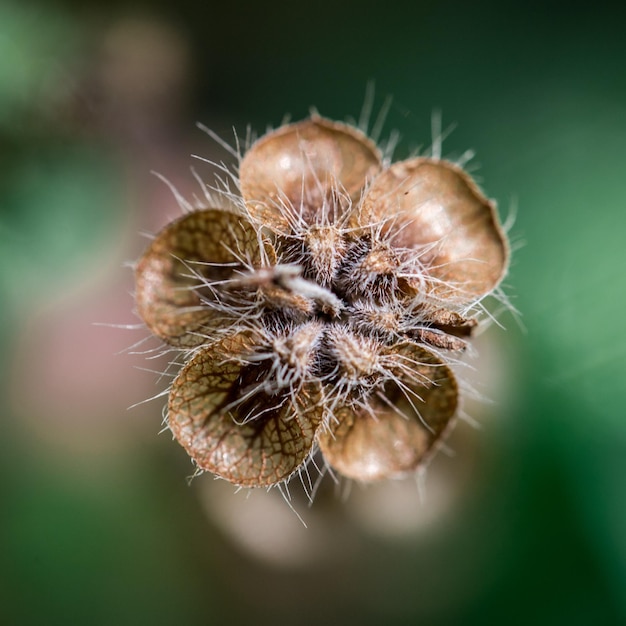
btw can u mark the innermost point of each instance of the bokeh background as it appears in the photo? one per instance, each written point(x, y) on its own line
point(525, 523)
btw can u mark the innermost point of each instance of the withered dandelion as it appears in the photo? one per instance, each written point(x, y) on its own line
point(320, 305)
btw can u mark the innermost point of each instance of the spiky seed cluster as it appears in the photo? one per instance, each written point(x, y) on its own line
point(321, 307)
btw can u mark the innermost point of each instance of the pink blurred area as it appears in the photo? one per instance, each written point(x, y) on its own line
point(73, 373)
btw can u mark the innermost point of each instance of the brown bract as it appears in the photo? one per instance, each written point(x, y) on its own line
point(433, 207)
point(325, 310)
point(179, 276)
point(301, 172)
point(397, 429)
point(234, 425)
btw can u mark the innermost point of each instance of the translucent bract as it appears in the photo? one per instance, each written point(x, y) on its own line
point(323, 308)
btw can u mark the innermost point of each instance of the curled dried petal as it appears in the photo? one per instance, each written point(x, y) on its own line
point(437, 327)
point(398, 428)
point(233, 423)
point(439, 339)
point(311, 171)
point(174, 276)
point(444, 329)
point(435, 208)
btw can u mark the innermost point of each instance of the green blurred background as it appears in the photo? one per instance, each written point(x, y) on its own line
point(525, 524)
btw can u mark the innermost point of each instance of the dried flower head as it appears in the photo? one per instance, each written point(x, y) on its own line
point(320, 305)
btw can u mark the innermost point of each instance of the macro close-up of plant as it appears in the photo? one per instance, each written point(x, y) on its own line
point(292, 301)
point(320, 297)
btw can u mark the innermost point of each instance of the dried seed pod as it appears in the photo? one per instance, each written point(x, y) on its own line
point(438, 339)
point(399, 426)
point(177, 278)
point(390, 323)
point(372, 320)
point(308, 172)
point(356, 356)
point(273, 290)
point(448, 321)
point(323, 246)
point(434, 208)
point(237, 420)
point(352, 290)
point(441, 328)
point(371, 272)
